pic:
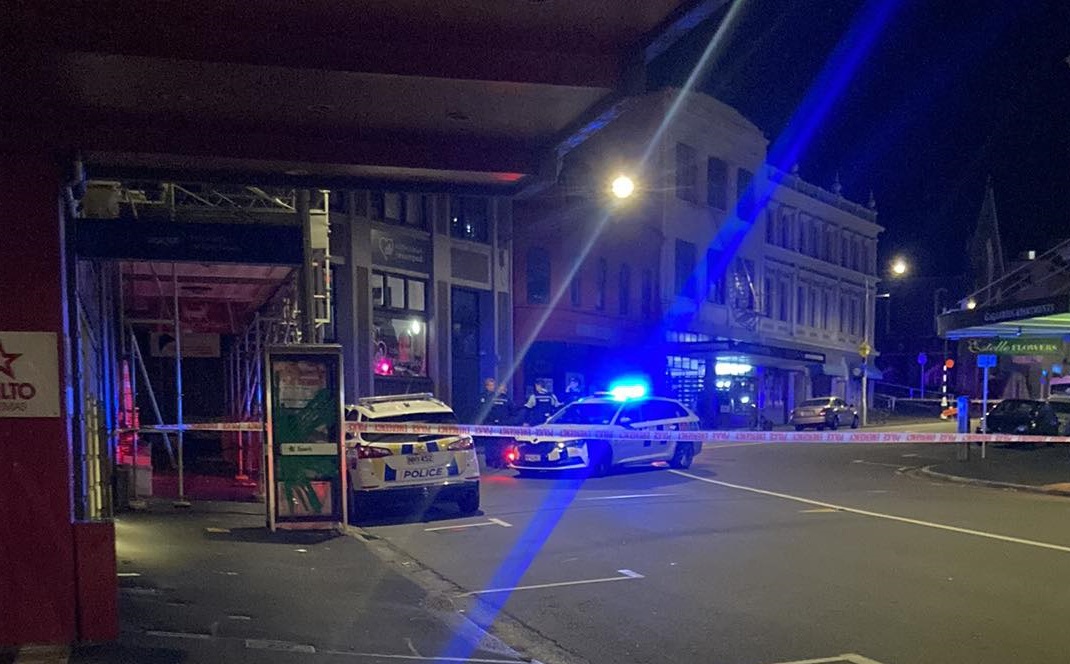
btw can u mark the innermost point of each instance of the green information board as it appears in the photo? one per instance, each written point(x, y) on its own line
point(305, 435)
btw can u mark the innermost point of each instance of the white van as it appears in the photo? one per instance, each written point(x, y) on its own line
point(395, 466)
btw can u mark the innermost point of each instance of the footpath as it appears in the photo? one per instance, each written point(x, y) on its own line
point(211, 584)
point(1026, 467)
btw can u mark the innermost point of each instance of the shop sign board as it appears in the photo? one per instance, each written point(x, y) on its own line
point(401, 250)
point(29, 374)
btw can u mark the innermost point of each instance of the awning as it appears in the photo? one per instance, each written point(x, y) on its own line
point(836, 369)
point(1048, 317)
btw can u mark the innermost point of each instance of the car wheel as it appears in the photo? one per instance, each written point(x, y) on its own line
point(601, 461)
point(683, 456)
point(835, 423)
point(799, 427)
point(854, 422)
point(468, 502)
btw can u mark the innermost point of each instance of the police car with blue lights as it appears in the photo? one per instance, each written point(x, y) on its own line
point(399, 466)
point(625, 408)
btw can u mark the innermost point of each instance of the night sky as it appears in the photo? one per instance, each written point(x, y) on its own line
point(949, 93)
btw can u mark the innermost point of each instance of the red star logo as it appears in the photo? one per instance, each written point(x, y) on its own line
point(6, 360)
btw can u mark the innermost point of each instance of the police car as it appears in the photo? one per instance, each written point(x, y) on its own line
point(395, 466)
point(624, 409)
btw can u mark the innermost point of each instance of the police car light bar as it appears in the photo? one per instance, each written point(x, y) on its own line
point(625, 392)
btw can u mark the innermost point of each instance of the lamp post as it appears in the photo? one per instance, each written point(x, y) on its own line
point(898, 268)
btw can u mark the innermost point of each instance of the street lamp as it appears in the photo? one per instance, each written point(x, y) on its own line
point(899, 266)
point(622, 187)
point(971, 304)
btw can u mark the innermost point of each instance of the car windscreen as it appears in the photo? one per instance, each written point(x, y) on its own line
point(586, 413)
point(1014, 407)
point(812, 403)
point(407, 418)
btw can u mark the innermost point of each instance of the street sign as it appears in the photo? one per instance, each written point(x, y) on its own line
point(864, 349)
point(923, 359)
point(986, 360)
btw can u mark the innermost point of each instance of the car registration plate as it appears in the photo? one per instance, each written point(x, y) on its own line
point(420, 459)
point(535, 458)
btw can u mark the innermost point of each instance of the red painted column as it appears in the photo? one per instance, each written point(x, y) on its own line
point(37, 556)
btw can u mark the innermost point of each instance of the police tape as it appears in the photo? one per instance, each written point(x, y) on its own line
point(551, 433)
point(548, 433)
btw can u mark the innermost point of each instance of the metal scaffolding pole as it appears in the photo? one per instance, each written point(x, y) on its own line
point(152, 394)
point(181, 502)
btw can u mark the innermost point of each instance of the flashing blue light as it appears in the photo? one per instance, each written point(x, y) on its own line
point(629, 391)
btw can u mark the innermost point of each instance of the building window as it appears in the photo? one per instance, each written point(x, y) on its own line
point(770, 227)
point(538, 273)
point(854, 317)
point(686, 172)
point(830, 245)
point(684, 283)
point(813, 307)
point(646, 294)
point(717, 183)
point(743, 286)
point(800, 305)
point(854, 255)
point(843, 314)
point(575, 288)
point(625, 290)
point(783, 305)
point(767, 297)
point(845, 251)
point(470, 218)
point(801, 224)
point(715, 282)
point(826, 308)
point(865, 257)
point(785, 230)
point(815, 238)
point(600, 282)
point(744, 194)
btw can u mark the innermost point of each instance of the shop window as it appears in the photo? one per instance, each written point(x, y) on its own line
point(717, 183)
point(378, 290)
point(625, 290)
point(575, 289)
point(470, 218)
point(538, 274)
point(400, 344)
point(417, 296)
point(686, 172)
point(600, 284)
point(646, 294)
point(393, 291)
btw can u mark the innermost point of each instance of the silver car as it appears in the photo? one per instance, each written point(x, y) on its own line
point(831, 412)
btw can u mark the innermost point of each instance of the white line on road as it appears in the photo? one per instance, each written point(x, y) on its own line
point(877, 463)
point(420, 658)
point(127, 575)
point(879, 515)
point(43, 654)
point(200, 636)
point(489, 522)
point(281, 646)
point(626, 575)
point(851, 658)
point(629, 495)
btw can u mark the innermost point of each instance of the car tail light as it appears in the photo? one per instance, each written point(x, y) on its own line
point(462, 443)
point(826, 411)
point(511, 455)
point(370, 452)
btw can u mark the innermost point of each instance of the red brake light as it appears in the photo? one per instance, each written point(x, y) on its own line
point(370, 452)
point(462, 443)
point(511, 455)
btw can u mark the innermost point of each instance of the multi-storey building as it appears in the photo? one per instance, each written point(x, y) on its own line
point(764, 286)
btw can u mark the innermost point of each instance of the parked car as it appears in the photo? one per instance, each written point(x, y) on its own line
point(831, 412)
point(1028, 417)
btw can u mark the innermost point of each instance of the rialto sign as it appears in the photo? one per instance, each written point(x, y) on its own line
point(29, 374)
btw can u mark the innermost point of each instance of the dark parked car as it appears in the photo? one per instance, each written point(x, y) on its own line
point(1026, 417)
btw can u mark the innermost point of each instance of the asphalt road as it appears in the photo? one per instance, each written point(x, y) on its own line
point(764, 554)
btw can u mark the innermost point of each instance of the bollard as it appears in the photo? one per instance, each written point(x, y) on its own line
point(964, 426)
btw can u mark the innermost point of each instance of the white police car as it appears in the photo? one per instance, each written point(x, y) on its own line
point(623, 410)
point(395, 466)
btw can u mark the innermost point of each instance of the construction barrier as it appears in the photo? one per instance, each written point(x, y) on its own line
point(600, 433)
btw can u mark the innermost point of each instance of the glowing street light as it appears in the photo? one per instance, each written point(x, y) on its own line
point(622, 186)
point(971, 303)
point(899, 266)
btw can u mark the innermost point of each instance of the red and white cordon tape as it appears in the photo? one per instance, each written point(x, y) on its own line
point(601, 433)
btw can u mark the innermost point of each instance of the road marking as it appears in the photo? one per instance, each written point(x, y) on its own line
point(239, 617)
point(43, 654)
point(412, 647)
point(178, 635)
point(851, 658)
point(818, 510)
point(488, 522)
point(629, 495)
point(877, 463)
point(281, 646)
point(301, 550)
point(213, 529)
point(879, 515)
point(625, 575)
point(421, 658)
point(127, 575)
point(909, 456)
